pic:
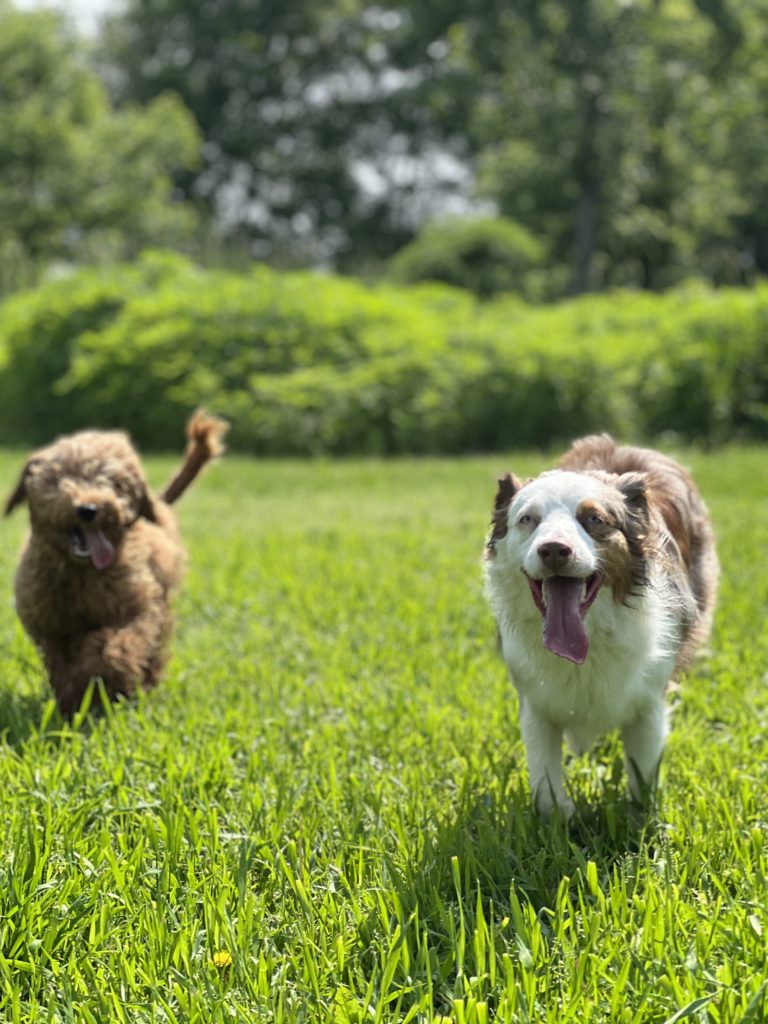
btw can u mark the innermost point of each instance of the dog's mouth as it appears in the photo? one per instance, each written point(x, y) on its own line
point(93, 544)
point(563, 602)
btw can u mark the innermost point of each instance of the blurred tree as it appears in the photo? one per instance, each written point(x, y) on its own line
point(738, 132)
point(79, 181)
point(627, 135)
point(608, 129)
point(322, 143)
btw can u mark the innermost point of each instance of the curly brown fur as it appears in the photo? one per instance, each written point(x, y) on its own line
point(94, 582)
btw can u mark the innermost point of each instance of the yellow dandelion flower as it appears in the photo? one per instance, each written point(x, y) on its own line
point(222, 959)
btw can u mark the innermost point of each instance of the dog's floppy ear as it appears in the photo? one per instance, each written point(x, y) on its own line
point(20, 492)
point(643, 494)
point(508, 486)
point(634, 488)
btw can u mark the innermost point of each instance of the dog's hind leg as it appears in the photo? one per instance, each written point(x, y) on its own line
point(644, 738)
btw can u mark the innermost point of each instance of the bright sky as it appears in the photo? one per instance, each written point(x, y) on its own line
point(85, 12)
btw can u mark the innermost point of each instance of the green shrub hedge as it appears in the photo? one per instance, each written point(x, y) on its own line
point(485, 255)
point(303, 363)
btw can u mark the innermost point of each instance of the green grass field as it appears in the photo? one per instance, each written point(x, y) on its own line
point(322, 814)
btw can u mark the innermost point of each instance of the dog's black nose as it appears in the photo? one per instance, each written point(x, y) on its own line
point(87, 512)
point(554, 554)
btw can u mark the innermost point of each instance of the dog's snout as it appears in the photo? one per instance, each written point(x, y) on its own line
point(554, 554)
point(87, 512)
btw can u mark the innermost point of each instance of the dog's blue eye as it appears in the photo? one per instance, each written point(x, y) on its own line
point(525, 519)
point(594, 520)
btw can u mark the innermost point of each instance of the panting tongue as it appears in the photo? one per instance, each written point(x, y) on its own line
point(564, 632)
point(99, 548)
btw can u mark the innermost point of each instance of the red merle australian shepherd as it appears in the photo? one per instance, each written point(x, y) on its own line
point(602, 577)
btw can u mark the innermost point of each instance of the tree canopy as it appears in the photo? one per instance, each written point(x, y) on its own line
point(79, 180)
point(627, 137)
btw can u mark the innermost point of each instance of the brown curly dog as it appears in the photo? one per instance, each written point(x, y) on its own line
point(104, 553)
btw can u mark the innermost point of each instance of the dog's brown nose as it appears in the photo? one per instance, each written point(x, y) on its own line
point(554, 554)
point(87, 512)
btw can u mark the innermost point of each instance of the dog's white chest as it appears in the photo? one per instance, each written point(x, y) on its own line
point(628, 666)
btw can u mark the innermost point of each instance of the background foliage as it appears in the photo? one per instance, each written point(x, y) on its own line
point(304, 363)
point(79, 180)
point(485, 255)
point(629, 139)
point(523, 152)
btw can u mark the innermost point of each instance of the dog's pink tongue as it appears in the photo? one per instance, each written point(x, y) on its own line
point(99, 548)
point(564, 632)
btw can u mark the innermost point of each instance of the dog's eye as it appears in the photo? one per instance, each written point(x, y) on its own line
point(594, 519)
point(525, 519)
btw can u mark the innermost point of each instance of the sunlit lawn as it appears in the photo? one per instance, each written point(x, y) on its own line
point(322, 815)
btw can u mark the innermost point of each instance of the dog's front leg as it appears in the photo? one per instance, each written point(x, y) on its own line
point(644, 738)
point(69, 681)
point(125, 658)
point(128, 657)
point(544, 748)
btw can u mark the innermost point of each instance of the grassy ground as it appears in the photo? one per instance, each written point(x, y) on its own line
point(322, 815)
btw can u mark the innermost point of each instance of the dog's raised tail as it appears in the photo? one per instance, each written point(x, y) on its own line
point(206, 442)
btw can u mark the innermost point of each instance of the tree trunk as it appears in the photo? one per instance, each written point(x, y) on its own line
point(588, 203)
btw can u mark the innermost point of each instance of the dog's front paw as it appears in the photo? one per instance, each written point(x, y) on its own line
point(550, 805)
